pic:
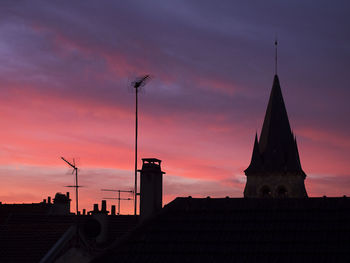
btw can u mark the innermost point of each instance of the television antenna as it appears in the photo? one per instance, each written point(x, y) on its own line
point(76, 186)
point(137, 84)
point(118, 198)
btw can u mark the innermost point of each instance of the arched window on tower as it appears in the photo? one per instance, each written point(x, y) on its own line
point(282, 192)
point(265, 192)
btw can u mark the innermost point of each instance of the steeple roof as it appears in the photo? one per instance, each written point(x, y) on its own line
point(277, 148)
point(276, 126)
point(256, 163)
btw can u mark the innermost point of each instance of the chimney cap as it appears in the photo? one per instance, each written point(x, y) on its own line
point(151, 163)
point(151, 160)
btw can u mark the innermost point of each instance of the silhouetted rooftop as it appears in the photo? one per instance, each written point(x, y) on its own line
point(241, 230)
point(34, 208)
point(28, 237)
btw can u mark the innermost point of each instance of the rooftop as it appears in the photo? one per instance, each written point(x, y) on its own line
point(241, 230)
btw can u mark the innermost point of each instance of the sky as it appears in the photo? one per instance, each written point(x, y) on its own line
point(65, 74)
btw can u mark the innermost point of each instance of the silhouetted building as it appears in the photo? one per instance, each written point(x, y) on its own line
point(31, 233)
point(275, 169)
point(59, 206)
point(48, 232)
point(90, 235)
point(28, 231)
point(98, 230)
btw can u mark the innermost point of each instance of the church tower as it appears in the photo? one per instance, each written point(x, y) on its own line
point(275, 170)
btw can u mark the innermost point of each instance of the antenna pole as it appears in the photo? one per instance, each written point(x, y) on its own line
point(76, 190)
point(75, 169)
point(276, 56)
point(136, 131)
point(137, 85)
point(118, 202)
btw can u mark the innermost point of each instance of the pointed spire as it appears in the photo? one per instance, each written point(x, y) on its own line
point(276, 128)
point(255, 163)
point(277, 145)
point(256, 152)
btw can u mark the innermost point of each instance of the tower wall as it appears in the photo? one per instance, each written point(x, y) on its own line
point(275, 185)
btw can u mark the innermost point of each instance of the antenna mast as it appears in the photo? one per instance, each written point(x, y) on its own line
point(76, 186)
point(137, 84)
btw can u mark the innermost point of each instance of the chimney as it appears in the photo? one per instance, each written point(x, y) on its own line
point(104, 206)
point(49, 199)
point(67, 195)
point(84, 212)
point(113, 210)
point(95, 208)
point(151, 187)
point(61, 204)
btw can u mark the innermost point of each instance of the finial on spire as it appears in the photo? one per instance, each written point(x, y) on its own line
point(276, 56)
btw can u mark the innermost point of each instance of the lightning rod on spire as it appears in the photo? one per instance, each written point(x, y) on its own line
point(276, 56)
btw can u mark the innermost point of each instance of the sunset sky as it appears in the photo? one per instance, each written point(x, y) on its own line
point(65, 73)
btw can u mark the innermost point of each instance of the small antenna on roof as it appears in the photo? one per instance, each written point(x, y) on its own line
point(276, 43)
point(118, 198)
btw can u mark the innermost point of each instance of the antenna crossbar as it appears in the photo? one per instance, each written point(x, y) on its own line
point(119, 198)
point(122, 191)
point(116, 198)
